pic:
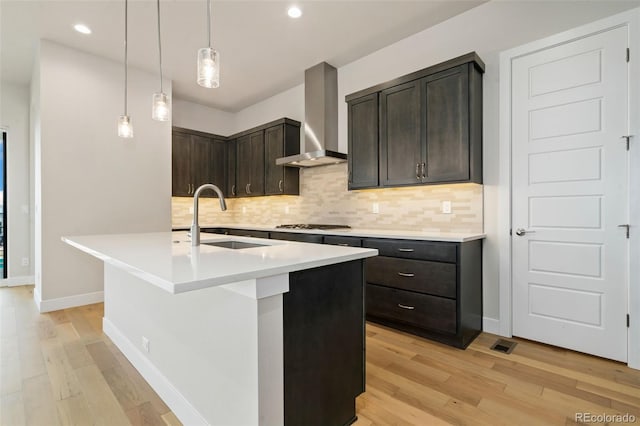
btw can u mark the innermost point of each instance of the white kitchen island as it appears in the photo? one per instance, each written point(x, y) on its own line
point(224, 335)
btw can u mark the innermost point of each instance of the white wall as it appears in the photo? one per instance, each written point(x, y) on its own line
point(194, 116)
point(88, 180)
point(14, 118)
point(289, 103)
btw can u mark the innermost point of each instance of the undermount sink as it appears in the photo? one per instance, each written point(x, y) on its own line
point(234, 245)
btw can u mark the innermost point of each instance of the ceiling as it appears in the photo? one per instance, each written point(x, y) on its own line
point(263, 51)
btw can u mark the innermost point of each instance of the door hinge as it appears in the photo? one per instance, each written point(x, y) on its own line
point(626, 138)
point(626, 226)
point(628, 54)
point(628, 320)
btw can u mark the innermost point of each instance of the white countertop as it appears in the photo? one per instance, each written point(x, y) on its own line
point(360, 232)
point(167, 259)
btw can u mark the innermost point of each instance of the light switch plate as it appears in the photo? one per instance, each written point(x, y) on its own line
point(446, 207)
point(375, 208)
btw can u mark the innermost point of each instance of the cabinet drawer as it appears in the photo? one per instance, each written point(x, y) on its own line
point(411, 249)
point(338, 240)
point(291, 236)
point(248, 233)
point(421, 310)
point(423, 276)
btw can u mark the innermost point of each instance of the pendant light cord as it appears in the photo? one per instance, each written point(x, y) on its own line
point(126, 4)
point(209, 21)
point(159, 47)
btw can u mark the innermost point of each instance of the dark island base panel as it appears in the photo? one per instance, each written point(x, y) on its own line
point(323, 315)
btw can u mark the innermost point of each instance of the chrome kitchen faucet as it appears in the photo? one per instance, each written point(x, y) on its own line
point(195, 228)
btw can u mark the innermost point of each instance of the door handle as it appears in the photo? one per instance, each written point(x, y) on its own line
point(280, 185)
point(626, 228)
point(521, 231)
point(405, 274)
point(411, 308)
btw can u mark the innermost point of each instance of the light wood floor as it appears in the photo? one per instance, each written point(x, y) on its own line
point(58, 369)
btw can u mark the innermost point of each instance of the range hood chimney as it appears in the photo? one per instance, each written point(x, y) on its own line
point(320, 120)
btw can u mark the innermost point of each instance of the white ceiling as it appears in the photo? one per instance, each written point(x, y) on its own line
point(263, 51)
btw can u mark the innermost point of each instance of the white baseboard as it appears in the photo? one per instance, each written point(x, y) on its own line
point(180, 406)
point(491, 325)
point(67, 302)
point(16, 281)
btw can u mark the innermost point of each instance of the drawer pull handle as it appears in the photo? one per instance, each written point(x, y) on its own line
point(405, 274)
point(411, 308)
point(406, 250)
point(343, 244)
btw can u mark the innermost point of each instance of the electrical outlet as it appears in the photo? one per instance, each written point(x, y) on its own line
point(446, 207)
point(244, 210)
point(145, 344)
point(375, 208)
point(191, 210)
point(25, 261)
point(286, 209)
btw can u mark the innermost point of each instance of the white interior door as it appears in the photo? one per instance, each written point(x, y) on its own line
point(569, 172)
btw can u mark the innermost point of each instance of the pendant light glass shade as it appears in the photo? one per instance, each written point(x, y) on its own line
point(125, 129)
point(208, 68)
point(160, 107)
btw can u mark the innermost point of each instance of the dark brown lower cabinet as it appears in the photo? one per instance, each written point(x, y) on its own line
point(324, 355)
point(300, 237)
point(431, 289)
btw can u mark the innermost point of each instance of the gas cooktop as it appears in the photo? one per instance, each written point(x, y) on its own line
point(312, 226)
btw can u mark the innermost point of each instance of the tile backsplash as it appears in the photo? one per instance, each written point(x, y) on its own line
point(324, 199)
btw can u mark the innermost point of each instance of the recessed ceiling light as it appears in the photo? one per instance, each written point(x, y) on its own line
point(81, 28)
point(294, 12)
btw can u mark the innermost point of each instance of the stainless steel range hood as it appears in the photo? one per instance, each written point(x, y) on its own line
point(320, 120)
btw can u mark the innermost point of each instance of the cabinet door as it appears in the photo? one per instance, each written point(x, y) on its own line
point(218, 164)
point(232, 187)
point(256, 141)
point(180, 164)
point(250, 164)
point(244, 164)
point(200, 161)
point(445, 123)
point(273, 149)
point(400, 141)
point(363, 142)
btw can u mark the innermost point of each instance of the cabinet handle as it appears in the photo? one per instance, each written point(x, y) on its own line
point(418, 171)
point(411, 308)
point(405, 274)
point(233, 190)
point(247, 188)
point(343, 244)
point(424, 168)
point(280, 185)
point(188, 188)
point(406, 250)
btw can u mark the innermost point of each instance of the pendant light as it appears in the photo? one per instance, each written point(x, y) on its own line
point(208, 60)
point(160, 102)
point(125, 128)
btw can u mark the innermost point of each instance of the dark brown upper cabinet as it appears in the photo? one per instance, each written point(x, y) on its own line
point(250, 164)
point(281, 140)
point(197, 158)
point(400, 141)
point(363, 142)
point(231, 188)
point(429, 127)
point(241, 165)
